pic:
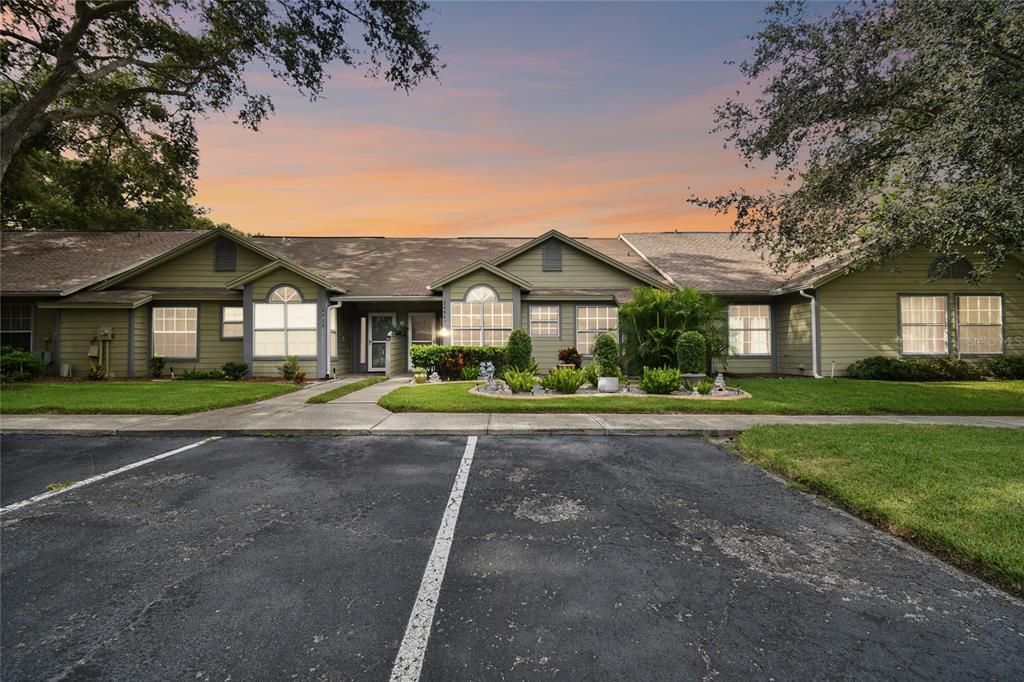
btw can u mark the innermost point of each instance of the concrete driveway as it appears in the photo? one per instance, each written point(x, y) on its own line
point(572, 558)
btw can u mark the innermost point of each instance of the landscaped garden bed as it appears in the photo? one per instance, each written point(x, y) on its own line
point(502, 391)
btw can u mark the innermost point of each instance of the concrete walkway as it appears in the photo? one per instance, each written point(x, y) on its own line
point(358, 414)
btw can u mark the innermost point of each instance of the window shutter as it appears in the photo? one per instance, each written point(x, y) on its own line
point(224, 256)
point(552, 257)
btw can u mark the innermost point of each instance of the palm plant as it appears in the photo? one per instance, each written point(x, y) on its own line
point(652, 322)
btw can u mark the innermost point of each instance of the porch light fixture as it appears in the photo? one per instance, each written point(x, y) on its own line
point(443, 332)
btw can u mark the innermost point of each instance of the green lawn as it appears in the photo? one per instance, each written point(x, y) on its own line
point(346, 389)
point(770, 396)
point(956, 490)
point(134, 397)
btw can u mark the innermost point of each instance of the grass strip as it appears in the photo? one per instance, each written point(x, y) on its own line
point(793, 395)
point(345, 390)
point(957, 491)
point(134, 397)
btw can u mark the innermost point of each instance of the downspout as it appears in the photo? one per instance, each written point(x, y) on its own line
point(334, 306)
point(815, 369)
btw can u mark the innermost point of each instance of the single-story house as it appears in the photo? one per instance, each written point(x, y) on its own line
point(203, 298)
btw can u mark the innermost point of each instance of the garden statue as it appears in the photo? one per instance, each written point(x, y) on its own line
point(487, 371)
point(720, 383)
point(434, 378)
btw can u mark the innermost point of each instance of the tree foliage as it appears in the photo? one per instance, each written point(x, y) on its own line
point(888, 124)
point(112, 87)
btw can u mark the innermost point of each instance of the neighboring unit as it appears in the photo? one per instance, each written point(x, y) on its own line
point(356, 304)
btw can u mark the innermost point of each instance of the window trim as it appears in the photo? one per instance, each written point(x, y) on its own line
point(285, 329)
point(899, 324)
point(770, 329)
point(1002, 323)
point(576, 324)
point(557, 320)
point(482, 328)
point(241, 336)
point(31, 324)
point(152, 330)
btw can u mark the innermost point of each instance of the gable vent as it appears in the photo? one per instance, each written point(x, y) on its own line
point(224, 256)
point(552, 261)
point(960, 268)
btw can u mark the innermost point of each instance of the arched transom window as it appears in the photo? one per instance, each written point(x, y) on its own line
point(284, 325)
point(481, 318)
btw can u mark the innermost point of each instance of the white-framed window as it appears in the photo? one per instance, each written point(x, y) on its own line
point(481, 319)
point(175, 332)
point(544, 320)
point(16, 326)
point(332, 329)
point(284, 325)
point(231, 322)
point(979, 324)
point(750, 329)
point(591, 322)
point(924, 325)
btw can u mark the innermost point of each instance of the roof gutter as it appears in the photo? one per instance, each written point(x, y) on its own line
point(813, 298)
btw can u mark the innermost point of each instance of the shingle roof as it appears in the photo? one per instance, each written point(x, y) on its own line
point(718, 262)
point(43, 262)
point(368, 266)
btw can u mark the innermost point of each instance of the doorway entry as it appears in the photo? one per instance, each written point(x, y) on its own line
point(377, 340)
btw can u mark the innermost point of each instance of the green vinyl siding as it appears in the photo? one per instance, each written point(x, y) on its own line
point(860, 314)
point(268, 368)
point(398, 360)
point(262, 287)
point(545, 348)
point(141, 334)
point(579, 271)
point(793, 335)
point(343, 364)
point(77, 331)
point(460, 286)
point(44, 332)
point(195, 269)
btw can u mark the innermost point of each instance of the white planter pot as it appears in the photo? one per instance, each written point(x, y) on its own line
point(608, 384)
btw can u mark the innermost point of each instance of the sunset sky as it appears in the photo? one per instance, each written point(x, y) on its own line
point(592, 118)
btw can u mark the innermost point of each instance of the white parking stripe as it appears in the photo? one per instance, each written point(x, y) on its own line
point(409, 661)
point(100, 477)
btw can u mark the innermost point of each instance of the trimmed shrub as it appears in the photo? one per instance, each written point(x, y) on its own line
point(606, 355)
point(519, 350)
point(234, 370)
point(202, 374)
point(448, 361)
point(570, 356)
point(290, 369)
point(19, 365)
point(564, 380)
point(914, 369)
point(660, 380)
point(156, 366)
point(518, 381)
point(692, 353)
point(1006, 367)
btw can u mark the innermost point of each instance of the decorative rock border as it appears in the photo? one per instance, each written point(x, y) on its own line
point(530, 396)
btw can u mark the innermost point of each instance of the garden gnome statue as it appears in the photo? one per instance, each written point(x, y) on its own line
point(720, 383)
point(487, 372)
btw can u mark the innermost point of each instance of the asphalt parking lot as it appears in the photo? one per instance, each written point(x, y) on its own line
point(572, 558)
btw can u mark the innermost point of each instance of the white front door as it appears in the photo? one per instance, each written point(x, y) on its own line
point(377, 340)
point(422, 331)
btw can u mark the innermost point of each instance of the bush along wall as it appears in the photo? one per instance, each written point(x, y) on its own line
point(936, 369)
point(449, 361)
